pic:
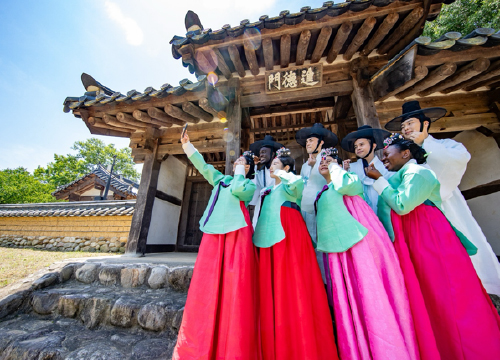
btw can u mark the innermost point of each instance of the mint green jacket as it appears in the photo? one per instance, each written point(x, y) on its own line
point(410, 187)
point(269, 229)
point(337, 229)
point(226, 215)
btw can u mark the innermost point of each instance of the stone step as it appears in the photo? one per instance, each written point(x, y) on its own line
point(30, 337)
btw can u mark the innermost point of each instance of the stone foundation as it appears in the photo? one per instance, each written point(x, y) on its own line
point(102, 244)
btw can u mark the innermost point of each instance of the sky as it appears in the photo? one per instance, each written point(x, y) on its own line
point(46, 45)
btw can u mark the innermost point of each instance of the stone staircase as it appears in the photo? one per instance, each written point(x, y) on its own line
point(95, 311)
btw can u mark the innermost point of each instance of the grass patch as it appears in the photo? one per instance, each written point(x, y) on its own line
point(16, 264)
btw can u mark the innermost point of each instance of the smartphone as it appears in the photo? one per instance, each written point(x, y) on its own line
point(184, 130)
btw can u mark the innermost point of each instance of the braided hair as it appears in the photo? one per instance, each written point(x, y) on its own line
point(417, 152)
point(285, 156)
point(333, 153)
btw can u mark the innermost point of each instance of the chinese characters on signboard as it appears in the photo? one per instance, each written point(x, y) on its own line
point(296, 78)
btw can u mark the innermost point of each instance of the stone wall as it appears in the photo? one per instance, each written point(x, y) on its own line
point(77, 226)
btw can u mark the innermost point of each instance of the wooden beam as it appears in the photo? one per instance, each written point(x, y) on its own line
point(363, 103)
point(263, 99)
point(342, 107)
point(129, 119)
point(234, 126)
point(177, 113)
point(145, 118)
point(433, 78)
point(493, 71)
point(111, 120)
point(340, 38)
point(234, 54)
point(222, 65)
point(98, 122)
point(382, 31)
point(420, 73)
point(196, 111)
point(465, 73)
point(487, 82)
point(160, 115)
point(267, 48)
point(253, 64)
point(203, 146)
point(321, 44)
point(466, 122)
point(168, 198)
point(206, 107)
point(302, 45)
point(143, 211)
point(286, 109)
point(291, 111)
point(362, 34)
point(445, 56)
point(285, 42)
point(406, 25)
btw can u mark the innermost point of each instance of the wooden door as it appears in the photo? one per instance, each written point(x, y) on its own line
point(196, 200)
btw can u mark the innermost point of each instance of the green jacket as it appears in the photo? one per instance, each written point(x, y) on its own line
point(226, 215)
point(269, 229)
point(337, 229)
point(410, 187)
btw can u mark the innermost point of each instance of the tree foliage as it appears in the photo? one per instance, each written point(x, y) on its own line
point(66, 168)
point(464, 16)
point(18, 186)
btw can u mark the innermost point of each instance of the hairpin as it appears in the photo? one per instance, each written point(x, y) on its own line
point(248, 153)
point(393, 138)
point(283, 152)
point(333, 152)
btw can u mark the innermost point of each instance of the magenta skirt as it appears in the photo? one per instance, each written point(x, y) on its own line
point(444, 288)
point(365, 283)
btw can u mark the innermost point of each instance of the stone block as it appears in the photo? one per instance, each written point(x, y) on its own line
point(12, 303)
point(124, 312)
point(180, 278)
point(134, 276)
point(158, 277)
point(95, 312)
point(46, 280)
point(87, 273)
point(110, 275)
point(71, 305)
point(45, 303)
point(67, 272)
point(152, 317)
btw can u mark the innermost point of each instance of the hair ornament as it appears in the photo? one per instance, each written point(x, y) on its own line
point(283, 152)
point(394, 138)
point(333, 152)
point(248, 153)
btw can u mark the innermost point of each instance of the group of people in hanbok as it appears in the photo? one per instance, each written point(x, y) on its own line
point(363, 260)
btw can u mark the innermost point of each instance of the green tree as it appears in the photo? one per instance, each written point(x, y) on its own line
point(18, 186)
point(464, 16)
point(66, 168)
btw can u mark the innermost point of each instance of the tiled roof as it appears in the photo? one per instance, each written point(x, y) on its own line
point(454, 41)
point(76, 208)
point(102, 97)
point(118, 182)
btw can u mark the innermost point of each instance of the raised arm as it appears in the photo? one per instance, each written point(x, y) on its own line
point(448, 159)
point(241, 187)
point(212, 175)
point(345, 183)
point(412, 192)
point(293, 184)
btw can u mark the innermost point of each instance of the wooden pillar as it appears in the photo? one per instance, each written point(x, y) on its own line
point(233, 124)
point(141, 219)
point(363, 103)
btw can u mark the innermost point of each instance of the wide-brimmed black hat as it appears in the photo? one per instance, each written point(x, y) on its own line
point(268, 141)
point(319, 131)
point(365, 132)
point(412, 109)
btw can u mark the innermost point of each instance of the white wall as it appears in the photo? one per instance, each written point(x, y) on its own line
point(165, 217)
point(483, 168)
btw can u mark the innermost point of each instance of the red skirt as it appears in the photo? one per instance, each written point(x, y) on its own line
point(295, 318)
point(450, 307)
point(221, 316)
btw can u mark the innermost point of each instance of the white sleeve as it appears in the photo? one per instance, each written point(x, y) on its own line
point(305, 172)
point(448, 159)
point(189, 149)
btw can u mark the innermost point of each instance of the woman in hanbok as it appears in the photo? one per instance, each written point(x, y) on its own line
point(370, 302)
point(446, 296)
point(295, 318)
point(221, 316)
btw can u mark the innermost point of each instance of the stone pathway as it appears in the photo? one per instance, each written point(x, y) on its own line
point(95, 311)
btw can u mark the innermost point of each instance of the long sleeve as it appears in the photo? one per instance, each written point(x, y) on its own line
point(212, 175)
point(413, 191)
point(293, 184)
point(345, 183)
point(448, 159)
point(305, 172)
point(241, 187)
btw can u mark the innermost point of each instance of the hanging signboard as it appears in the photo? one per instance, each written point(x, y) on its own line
point(294, 78)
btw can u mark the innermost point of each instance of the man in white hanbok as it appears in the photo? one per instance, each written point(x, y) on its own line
point(364, 142)
point(265, 150)
point(448, 159)
point(313, 139)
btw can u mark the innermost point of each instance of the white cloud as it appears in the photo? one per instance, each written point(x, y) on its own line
point(133, 32)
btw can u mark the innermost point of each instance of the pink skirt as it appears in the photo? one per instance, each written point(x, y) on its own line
point(444, 288)
point(371, 308)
